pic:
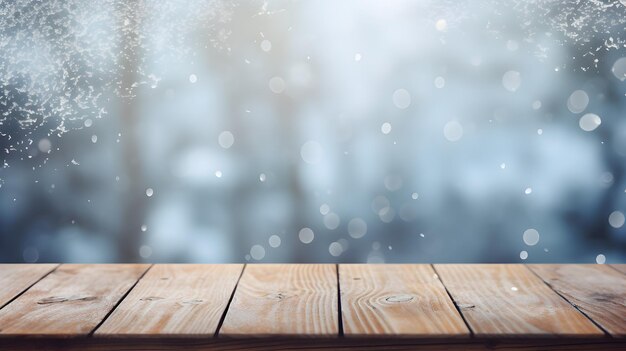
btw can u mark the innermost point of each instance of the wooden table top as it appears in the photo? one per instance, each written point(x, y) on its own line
point(312, 306)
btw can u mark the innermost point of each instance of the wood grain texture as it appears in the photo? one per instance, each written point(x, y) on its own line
point(15, 278)
point(510, 301)
point(597, 290)
point(620, 267)
point(175, 300)
point(70, 301)
point(294, 300)
point(405, 300)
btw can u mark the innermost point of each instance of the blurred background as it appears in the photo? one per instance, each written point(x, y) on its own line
point(312, 131)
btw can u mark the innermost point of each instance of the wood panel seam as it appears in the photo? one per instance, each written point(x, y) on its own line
point(30, 286)
point(232, 295)
point(606, 333)
point(615, 269)
point(119, 302)
point(340, 317)
point(458, 309)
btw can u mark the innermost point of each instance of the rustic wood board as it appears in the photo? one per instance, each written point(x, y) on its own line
point(285, 344)
point(510, 301)
point(620, 267)
point(15, 278)
point(70, 301)
point(175, 300)
point(397, 300)
point(597, 290)
point(292, 300)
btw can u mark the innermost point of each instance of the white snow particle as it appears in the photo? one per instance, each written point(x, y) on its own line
point(277, 85)
point(619, 69)
point(331, 221)
point(357, 228)
point(324, 209)
point(386, 128)
point(453, 131)
point(149, 192)
point(226, 139)
point(600, 259)
point(589, 122)
point(401, 98)
point(145, 251)
point(274, 241)
point(511, 81)
point(257, 252)
point(266, 45)
point(311, 152)
point(440, 82)
point(30, 255)
point(306, 235)
point(335, 249)
point(193, 78)
point(577, 101)
point(44, 145)
point(441, 25)
point(616, 219)
point(536, 105)
point(531, 237)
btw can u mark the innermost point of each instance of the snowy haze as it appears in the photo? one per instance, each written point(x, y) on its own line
point(352, 131)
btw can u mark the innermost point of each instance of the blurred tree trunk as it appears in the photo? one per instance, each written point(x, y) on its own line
point(129, 236)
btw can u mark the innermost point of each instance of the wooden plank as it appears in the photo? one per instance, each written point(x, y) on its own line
point(175, 300)
point(510, 301)
point(295, 300)
point(70, 301)
point(15, 278)
point(620, 267)
point(597, 290)
point(272, 344)
point(405, 300)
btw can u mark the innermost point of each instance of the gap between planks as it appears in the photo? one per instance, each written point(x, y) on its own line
point(508, 301)
point(120, 301)
point(338, 295)
point(10, 296)
point(597, 291)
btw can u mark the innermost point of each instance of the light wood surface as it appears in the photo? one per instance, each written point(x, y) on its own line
point(295, 300)
point(620, 267)
point(396, 300)
point(175, 300)
point(268, 307)
point(70, 301)
point(597, 290)
point(15, 278)
point(509, 300)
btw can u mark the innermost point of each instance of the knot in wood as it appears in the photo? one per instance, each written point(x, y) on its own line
point(466, 306)
point(399, 298)
point(191, 302)
point(278, 296)
point(151, 298)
